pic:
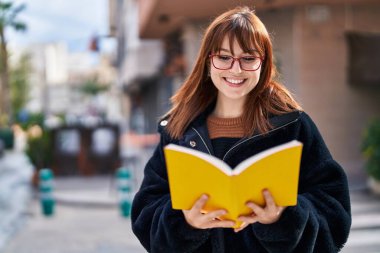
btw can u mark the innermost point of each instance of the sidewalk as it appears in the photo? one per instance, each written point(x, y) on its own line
point(365, 229)
point(15, 192)
point(75, 230)
point(86, 220)
point(98, 191)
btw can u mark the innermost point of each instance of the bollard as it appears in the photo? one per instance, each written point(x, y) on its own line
point(124, 185)
point(46, 192)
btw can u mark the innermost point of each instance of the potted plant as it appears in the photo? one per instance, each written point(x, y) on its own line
point(371, 151)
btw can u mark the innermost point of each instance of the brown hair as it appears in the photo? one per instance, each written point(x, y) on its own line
point(198, 91)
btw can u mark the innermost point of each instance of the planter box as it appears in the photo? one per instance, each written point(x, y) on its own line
point(7, 136)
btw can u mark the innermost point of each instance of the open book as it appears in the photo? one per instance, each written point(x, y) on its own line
point(192, 173)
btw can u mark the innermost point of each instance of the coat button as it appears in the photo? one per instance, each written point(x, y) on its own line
point(164, 123)
point(193, 144)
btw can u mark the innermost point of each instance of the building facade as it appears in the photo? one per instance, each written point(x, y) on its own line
point(316, 51)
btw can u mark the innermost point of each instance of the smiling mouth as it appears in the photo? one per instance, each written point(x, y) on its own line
point(234, 82)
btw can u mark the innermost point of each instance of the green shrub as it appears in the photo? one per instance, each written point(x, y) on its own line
point(39, 149)
point(371, 149)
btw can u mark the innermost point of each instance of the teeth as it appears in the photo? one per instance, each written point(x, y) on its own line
point(235, 81)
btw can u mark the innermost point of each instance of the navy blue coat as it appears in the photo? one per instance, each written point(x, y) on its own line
point(320, 222)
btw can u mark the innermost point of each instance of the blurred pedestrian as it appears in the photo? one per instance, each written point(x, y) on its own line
point(232, 107)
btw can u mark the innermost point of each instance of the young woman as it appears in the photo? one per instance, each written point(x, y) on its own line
point(231, 107)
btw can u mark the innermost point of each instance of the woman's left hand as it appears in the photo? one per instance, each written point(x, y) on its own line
point(265, 215)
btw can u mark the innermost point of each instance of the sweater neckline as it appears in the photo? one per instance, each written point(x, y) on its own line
point(218, 121)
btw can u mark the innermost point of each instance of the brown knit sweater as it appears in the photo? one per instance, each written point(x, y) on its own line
point(225, 127)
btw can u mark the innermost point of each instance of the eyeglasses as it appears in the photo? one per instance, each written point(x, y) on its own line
point(224, 62)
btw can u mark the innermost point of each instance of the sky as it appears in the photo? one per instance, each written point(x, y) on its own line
point(72, 21)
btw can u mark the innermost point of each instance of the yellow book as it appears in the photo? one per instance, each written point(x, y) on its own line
point(192, 173)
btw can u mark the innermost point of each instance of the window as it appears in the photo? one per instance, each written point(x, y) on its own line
point(363, 58)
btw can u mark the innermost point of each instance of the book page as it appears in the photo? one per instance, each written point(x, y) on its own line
point(214, 161)
point(278, 173)
point(268, 152)
point(190, 177)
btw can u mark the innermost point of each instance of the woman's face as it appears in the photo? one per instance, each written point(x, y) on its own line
point(234, 83)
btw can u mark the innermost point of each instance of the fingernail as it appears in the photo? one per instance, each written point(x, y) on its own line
point(204, 196)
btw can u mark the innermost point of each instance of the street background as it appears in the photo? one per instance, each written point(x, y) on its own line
point(84, 83)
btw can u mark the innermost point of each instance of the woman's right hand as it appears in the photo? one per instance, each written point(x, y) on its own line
point(197, 219)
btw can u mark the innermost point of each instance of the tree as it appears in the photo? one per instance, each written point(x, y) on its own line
point(19, 83)
point(93, 87)
point(8, 19)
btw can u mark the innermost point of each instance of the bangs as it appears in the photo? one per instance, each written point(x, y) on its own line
point(240, 28)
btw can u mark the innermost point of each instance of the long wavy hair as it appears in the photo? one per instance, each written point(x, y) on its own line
point(269, 97)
